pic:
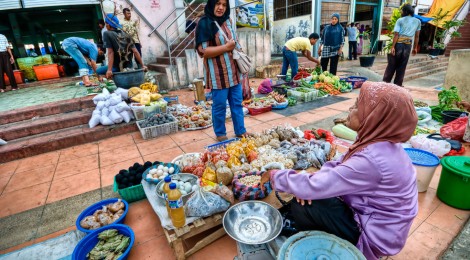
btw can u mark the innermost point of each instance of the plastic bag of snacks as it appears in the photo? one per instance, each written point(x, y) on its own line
point(203, 204)
point(224, 192)
point(251, 186)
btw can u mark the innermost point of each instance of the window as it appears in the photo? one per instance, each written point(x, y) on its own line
point(284, 9)
point(328, 8)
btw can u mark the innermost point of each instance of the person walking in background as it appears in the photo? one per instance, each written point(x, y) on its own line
point(221, 74)
point(331, 46)
point(352, 41)
point(406, 28)
point(85, 54)
point(360, 40)
point(131, 27)
point(289, 52)
point(6, 59)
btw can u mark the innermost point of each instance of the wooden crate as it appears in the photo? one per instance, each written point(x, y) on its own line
point(176, 237)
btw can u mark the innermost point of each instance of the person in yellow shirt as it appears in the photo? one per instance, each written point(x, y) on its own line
point(289, 52)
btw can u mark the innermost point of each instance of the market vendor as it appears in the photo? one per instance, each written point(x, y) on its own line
point(369, 196)
point(289, 52)
point(85, 53)
point(117, 44)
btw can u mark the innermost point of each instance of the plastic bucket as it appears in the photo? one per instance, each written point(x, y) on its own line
point(454, 184)
point(425, 164)
point(128, 79)
point(89, 242)
point(99, 205)
point(451, 115)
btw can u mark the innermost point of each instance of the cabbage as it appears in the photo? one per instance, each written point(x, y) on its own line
point(315, 77)
point(328, 80)
point(335, 78)
point(321, 77)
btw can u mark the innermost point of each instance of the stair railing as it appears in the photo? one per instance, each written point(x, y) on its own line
point(171, 38)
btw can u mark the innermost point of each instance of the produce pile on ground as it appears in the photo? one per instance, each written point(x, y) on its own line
point(258, 103)
point(282, 146)
point(448, 99)
point(111, 245)
point(104, 216)
point(330, 83)
point(195, 117)
point(146, 93)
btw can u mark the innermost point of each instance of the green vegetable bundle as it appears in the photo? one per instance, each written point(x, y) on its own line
point(111, 245)
point(447, 101)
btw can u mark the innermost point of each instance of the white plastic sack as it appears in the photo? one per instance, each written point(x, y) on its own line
point(125, 115)
point(123, 92)
point(105, 111)
point(115, 117)
point(122, 107)
point(100, 105)
point(104, 120)
point(424, 109)
point(2, 142)
point(131, 114)
point(205, 203)
point(107, 103)
point(426, 117)
point(438, 148)
point(94, 120)
point(272, 166)
point(98, 98)
point(115, 99)
point(105, 93)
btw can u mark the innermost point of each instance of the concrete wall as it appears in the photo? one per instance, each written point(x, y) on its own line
point(286, 29)
point(458, 71)
point(154, 11)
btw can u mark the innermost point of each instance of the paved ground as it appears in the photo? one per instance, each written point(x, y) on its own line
point(41, 196)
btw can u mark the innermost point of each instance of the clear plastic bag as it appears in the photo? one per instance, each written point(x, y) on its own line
point(438, 148)
point(204, 204)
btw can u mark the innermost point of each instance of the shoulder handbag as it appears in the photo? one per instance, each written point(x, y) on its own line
point(242, 60)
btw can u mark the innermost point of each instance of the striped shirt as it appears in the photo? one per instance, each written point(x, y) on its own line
point(3, 43)
point(221, 72)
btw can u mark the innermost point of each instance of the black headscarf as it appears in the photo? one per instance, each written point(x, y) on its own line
point(206, 28)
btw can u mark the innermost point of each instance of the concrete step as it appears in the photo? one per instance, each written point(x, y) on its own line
point(158, 67)
point(44, 110)
point(417, 69)
point(169, 79)
point(424, 73)
point(60, 139)
point(46, 124)
point(413, 63)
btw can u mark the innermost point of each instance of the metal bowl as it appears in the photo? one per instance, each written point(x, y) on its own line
point(252, 222)
point(178, 177)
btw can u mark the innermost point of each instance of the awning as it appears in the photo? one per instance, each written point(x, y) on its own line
point(422, 18)
point(447, 6)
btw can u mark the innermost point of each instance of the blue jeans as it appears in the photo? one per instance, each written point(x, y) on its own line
point(74, 52)
point(289, 58)
point(103, 69)
point(219, 105)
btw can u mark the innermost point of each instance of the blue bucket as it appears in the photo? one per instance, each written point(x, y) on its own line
point(99, 205)
point(89, 242)
point(318, 245)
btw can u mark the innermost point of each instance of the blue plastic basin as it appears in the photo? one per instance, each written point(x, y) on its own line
point(99, 205)
point(89, 242)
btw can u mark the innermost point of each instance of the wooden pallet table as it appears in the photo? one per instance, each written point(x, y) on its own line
point(177, 237)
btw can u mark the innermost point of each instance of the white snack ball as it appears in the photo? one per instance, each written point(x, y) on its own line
point(171, 170)
point(165, 169)
point(187, 186)
point(161, 177)
point(153, 171)
point(165, 174)
point(160, 167)
point(159, 173)
point(187, 189)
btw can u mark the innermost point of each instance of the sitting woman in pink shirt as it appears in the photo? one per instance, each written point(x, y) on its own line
point(369, 196)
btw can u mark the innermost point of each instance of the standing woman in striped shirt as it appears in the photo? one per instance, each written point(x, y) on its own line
point(220, 71)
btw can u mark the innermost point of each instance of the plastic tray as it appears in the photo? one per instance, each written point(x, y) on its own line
point(150, 180)
point(143, 112)
point(89, 242)
point(302, 96)
point(257, 111)
point(130, 194)
point(99, 205)
point(281, 105)
point(158, 130)
point(218, 145)
point(356, 81)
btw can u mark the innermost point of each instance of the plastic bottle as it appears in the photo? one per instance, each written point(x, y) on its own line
point(175, 201)
point(166, 189)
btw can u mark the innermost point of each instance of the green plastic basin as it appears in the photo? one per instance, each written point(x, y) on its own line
point(454, 184)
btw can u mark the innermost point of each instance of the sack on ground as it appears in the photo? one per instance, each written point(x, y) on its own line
point(125, 115)
point(115, 99)
point(95, 118)
point(122, 106)
point(123, 92)
point(436, 147)
point(105, 111)
point(104, 120)
point(455, 129)
point(203, 204)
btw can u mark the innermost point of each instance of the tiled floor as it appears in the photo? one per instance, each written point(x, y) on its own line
point(47, 178)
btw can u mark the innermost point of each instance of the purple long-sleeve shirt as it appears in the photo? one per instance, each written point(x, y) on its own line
point(378, 183)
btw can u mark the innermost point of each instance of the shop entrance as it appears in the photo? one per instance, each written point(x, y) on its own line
point(367, 15)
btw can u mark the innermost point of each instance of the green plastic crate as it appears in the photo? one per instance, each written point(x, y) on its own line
point(130, 194)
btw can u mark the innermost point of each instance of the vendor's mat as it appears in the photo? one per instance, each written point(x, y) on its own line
point(60, 247)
